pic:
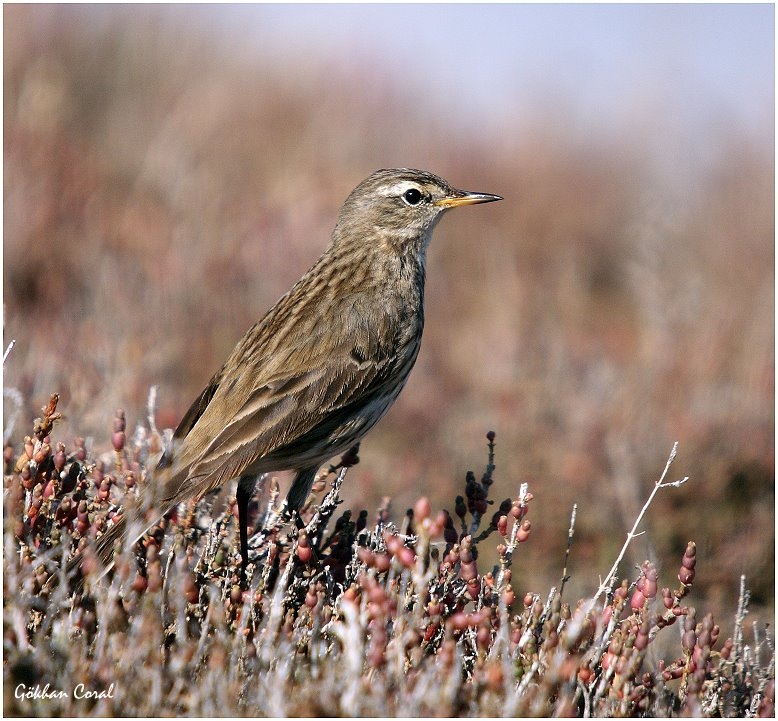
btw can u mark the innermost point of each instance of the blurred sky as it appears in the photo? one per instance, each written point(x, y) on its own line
point(692, 65)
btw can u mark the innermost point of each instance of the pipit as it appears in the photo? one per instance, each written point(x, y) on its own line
point(321, 368)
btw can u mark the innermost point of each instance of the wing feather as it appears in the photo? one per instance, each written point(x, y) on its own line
point(267, 407)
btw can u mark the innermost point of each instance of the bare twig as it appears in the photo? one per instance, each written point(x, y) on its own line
point(8, 350)
point(570, 532)
point(605, 584)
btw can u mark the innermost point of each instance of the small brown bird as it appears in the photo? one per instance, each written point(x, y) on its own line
point(322, 367)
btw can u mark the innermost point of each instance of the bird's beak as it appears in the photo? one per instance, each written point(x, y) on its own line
point(464, 197)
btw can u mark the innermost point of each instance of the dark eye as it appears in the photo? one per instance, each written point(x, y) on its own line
point(412, 196)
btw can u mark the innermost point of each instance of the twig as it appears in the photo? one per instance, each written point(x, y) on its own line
point(605, 584)
point(570, 532)
point(151, 409)
point(8, 350)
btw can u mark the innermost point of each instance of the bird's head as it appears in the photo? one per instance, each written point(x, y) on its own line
point(400, 207)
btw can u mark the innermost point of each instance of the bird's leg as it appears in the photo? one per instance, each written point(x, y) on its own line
point(300, 489)
point(298, 493)
point(246, 486)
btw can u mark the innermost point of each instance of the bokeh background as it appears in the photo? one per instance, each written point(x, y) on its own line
point(170, 171)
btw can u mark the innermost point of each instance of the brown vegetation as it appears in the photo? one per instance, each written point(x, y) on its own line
point(161, 193)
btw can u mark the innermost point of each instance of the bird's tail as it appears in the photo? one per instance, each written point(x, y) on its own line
point(96, 561)
point(155, 501)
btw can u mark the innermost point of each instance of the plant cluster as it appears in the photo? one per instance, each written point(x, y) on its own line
point(341, 615)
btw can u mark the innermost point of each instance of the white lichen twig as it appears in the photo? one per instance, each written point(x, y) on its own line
point(606, 583)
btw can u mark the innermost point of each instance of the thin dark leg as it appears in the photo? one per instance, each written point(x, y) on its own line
point(299, 491)
point(246, 486)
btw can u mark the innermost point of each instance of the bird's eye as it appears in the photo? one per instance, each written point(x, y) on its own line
point(412, 196)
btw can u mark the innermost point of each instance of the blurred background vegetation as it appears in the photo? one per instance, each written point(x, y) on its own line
point(170, 172)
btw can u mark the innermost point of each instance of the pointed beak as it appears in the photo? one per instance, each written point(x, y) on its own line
point(464, 197)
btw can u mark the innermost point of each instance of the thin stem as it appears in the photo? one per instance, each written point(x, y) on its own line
point(570, 532)
point(605, 584)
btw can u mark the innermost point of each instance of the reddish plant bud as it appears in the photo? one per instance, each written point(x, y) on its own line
point(60, 457)
point(105, 489)
point(502, 526)
point(304, 554)
point(704, 632)
point(442, 520)
point(620, 593)
point(641, 639)
point(42, 453)
point(422, 509)
point(667, 598)
point(637, 601)
point(529, 599)
point(468, 571)
point(140, 584)
point(585, 675)
point(154, 572)
point(452, 557)
point(407, 557)
point(28, 482)
point(459, 621)
point(381, 562)
point(29, 446)
point(191, 593)
point(311, 597)
point(304, 550)
point(51, 489)
point(714, 635)
point(80, 445)
point(523, 533)
point(688, 563)
point(483, 637)
point(607, 660)
point(430, 631)
point(393, 543)
point(508, 596)
point(473, 588)
point(690, 555)
point(120, 422)
point(689, 640)
point(118, 439)
point(649, 581)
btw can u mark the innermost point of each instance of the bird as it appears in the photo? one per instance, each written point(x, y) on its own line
point(320, 369)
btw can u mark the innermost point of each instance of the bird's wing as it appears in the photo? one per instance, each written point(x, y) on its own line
point(279, 403)
point(191, 417)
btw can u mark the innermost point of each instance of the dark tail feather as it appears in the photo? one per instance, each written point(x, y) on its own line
point(99, 559)
point(100, 554)
point(135, 520)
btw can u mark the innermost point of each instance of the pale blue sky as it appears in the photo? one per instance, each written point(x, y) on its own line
point(695, 65)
